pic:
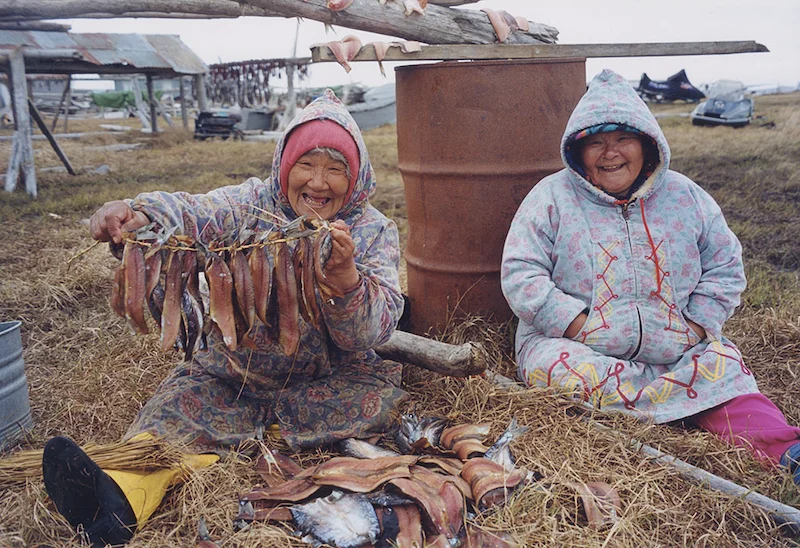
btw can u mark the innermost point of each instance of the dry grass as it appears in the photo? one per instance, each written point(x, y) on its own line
point(89, 375)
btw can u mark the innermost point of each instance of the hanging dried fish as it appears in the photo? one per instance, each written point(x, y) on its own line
point(220, 298)
point(152, 269)
point(192, 318)
point(173, 291)
point(261, 274)
point(118, 291)
point(156, 304)
point(308, 296)
point(288, 309)
point(243, 287)
point(133, 261)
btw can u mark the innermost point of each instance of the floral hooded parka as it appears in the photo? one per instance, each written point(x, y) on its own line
point(334, 386)
point(639, 267)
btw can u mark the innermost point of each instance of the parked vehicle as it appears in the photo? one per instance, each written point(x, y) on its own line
point(676, 87)
point(217, 123)
point(727, 105)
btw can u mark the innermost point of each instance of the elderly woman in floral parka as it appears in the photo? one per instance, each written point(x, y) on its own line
point(623, 272)
point(334, 386)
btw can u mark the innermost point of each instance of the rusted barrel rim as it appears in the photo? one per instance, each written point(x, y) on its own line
point(490, 62)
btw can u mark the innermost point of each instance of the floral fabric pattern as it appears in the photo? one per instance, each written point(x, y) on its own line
point(641, 268)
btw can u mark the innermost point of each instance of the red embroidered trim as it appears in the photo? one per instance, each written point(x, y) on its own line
point(660, 275)
point(599, 308)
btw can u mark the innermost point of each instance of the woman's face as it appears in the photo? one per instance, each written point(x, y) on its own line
point(317, 184)
point(612, 160)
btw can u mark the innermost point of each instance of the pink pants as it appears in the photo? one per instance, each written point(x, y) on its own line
point(751, 421)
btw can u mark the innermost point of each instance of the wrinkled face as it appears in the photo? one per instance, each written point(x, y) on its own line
point(612, 160)
point(317, 184)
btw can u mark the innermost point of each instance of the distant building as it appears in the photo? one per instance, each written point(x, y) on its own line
point(125, 83)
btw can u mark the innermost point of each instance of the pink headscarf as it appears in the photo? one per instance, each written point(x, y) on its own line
point(319, 133)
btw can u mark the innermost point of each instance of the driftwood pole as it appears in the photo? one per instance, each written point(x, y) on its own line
point(151, 100)
point(22, 147)
point(137, 92)
point(184, 109)
point(200, 86)
point(61, 103)
point(69, 103)
point(439, 25)
point(52, 140)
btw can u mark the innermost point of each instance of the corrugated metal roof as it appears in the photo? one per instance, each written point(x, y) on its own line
point(162, 52)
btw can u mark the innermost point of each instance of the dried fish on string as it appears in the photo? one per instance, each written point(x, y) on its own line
point(275, 276)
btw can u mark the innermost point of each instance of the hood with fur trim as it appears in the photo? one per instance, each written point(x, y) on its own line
point(327, 107)
point(610, 99)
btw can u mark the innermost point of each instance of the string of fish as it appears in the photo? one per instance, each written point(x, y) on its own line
point(160, 273)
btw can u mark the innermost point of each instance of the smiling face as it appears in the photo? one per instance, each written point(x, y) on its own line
point(317, 184)
point(612, 160)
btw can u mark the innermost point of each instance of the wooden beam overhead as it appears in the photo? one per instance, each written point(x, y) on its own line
point(441, 24)
point(322, 53)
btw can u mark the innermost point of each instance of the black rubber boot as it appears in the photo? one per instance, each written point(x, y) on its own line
point(85, 495)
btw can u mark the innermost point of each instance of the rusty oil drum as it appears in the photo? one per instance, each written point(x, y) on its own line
point(472, 140)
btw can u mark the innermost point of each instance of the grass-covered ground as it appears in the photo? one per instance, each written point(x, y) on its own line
point(89, 375)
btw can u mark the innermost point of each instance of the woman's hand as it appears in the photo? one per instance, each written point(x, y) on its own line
point(576, 326)
point(697, 329)
point(341, 266)
point(114, 218)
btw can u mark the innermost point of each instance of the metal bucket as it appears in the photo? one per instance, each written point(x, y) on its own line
point(15, 409)
point(472, 140)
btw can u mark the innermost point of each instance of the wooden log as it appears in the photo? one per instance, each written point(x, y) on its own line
point(452, 360)
point(53, 143)
point(51, 54)
point(780, 513)
point(57, 9)
point(439, 25)
point(322, 53)
point(452, 2)
point(22, 158)
point(34, 25)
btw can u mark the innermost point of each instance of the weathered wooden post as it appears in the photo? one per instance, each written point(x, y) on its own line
point(22, 145)
point(200, 85)
point(137, 97)
point(184, 109)
point(151, 99)
point(64, 95)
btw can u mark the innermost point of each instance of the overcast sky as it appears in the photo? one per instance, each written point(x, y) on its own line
point(774, 23)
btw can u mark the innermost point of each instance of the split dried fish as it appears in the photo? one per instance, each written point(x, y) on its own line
point(361, 449)
point(134, 276)
point(342, 520)
point(417, 433)
point(220, 295)
point(288, 307)
point(171, 312)
point(500, 451)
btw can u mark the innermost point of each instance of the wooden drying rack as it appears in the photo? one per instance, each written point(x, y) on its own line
point(321, 53)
